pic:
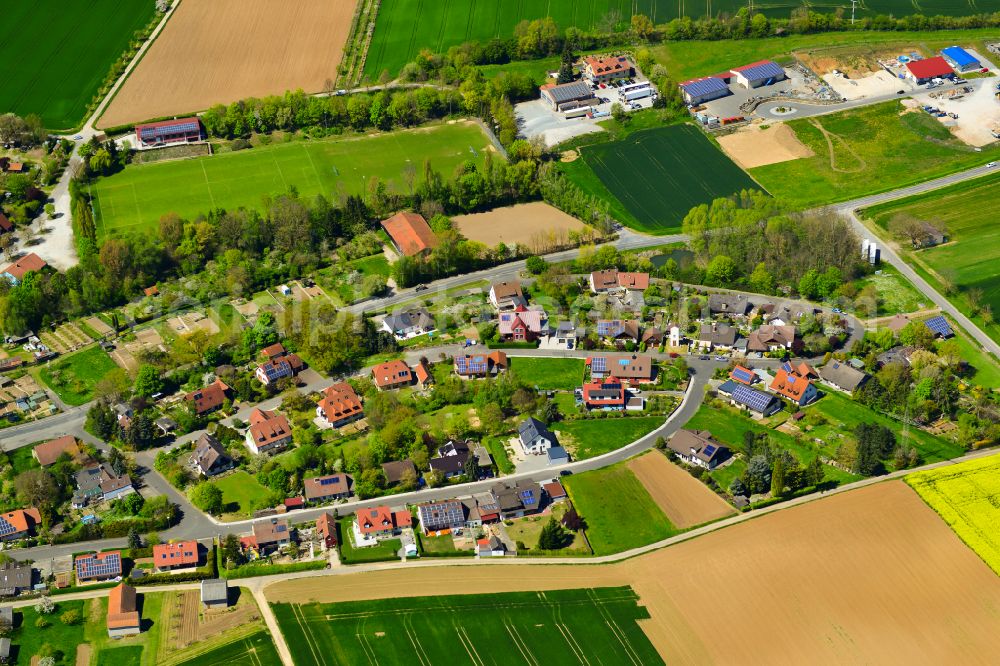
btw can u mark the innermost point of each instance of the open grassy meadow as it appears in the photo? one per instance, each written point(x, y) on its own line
point(619, 512)
point(240, 492)
point(587, 438)
point(660, 174)
point(549, 374)
point(598, 626)
point(135, 199)
point(968, 261)
point(864, 151)
point(54, 55)
point(74, 377)
point(964, 495)
point(28, 639)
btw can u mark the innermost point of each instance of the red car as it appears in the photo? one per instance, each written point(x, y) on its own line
point(984, 70)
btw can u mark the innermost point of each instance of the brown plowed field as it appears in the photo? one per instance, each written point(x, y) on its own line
point(220, 51)
point(685, 500)
point(870, 576)
point(753, 147)
point(537, 226)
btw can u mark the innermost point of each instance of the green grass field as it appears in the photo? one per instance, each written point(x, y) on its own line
point(875, 149)
point(588, 438)
point(28, 639)
point(385, 551)
point(405, 27)
point(549, 374)
point(74, 377)
point(964, 495)
point(129, 655)
point(660, 174)
point(531, 628)
point(895, 293)
point(254, 650)
point(240, 491)
point(618, 510)
point(54, 55)
point(969, 260)
point(135, 199)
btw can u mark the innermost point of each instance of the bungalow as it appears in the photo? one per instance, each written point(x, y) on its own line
point(608, 394)
point(631, 368)
point(212, 397)
point(215, 593)
point(392, 375)
point(98, 566)
point(15, 578)
point(397, 470)
point(698, 447)
point(268, 535)
point(755, 401)
point(842, 376)
point(123, 612)
point(277, 368)
point(618, 330)
point(326, 528)
point(327, 488)
point(490, 547)
point(506, 296)
point(26, 264)
point(771, 338)
point(480, 364)
point(49, 452)
point(409, 324)
point(172, 556)
point(518, 499)
point(522, 325)
point(209, 457)
point(728, 304)
point(268, 431)
point(535, 437)
point(443, 515)
point(380, 522)
point(339, 405)
point(793, 387)
point(716, 336)
point(410, 234)
point(19, 523)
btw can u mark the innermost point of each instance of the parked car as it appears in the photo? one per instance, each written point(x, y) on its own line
point(420, 287)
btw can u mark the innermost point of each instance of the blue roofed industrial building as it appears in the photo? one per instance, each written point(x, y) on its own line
point(757, 74)
point(960, 59)
point(699, 91)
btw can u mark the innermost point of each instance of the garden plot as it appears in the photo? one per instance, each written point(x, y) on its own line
point(65, 339)
point(189, 323)
point(125, 354)
point(98, 326)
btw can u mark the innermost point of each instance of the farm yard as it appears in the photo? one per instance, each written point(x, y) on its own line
point(221, 51)
point(964, 495)
point(685, 500)
point(242, 179)
point(514, 628)
point(969, 258)
point(658, 175)
point(900, 560)
point(55, 55)
point(536, 226)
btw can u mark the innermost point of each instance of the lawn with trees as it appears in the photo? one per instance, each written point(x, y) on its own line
point(74, 377)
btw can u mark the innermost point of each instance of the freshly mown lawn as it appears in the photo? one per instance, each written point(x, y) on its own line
point(527, 530)
point(592, 437)
point(54, 54)
point(438, 544)
point(968, 261)
point(74, 377)
point(240, 491)
point(875, 149)
point(140, 650)
point(383, 552)
point(129, 655)
point(618, 510)
point(22, 460)
point(28, 639)
point(244, 178)
point(549, 374)
point(254, 650)
point(512, 628)
point(987, 371)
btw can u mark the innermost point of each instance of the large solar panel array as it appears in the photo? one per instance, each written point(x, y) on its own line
point(743, 375)
point(939, 326)
point(752, 398)
point(472, 364)
point(89, 566)
point(699, 87)
point(152, 132)
point(6, 529)
point(611, 328)
point(761, 70)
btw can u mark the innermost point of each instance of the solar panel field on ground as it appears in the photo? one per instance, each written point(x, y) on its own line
point(135, 199)
point(55, 54)
point(661, 174)
point(405, 27)
point(586, 626)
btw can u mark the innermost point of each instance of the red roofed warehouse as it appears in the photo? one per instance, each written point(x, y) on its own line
point(182, 130)
point(410, 233)
point(923, 71)
point(339, 405)
point(168, 556)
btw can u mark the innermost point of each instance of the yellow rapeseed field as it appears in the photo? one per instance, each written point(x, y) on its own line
point(967, 496)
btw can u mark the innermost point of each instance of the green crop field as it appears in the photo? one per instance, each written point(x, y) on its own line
point(405, 27)
point(135, 199)
point(661, 174)
point(969, 260)
point(254, 650)
point(54, 54)
point(591, 626)
point(874, 149)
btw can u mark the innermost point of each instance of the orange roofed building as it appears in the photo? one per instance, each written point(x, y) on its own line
point(339, 405)
point(380, 522)
point(49, 452)
point(123, 612)
point(410, 233)
point(210, 398)
point(792, 386)
point(180, 555)
point(17, 270)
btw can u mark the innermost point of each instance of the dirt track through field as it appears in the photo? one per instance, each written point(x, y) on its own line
point(753, 147)
point(868, 576)
point(685, 500)
point(220, 51)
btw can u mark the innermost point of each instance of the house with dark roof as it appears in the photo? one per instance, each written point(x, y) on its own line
point(178, 555)
point(556, 455)
point(268, 432)
point(442, 515)
point(842, 376)
point(736, 305)
point(98, 566)
point(215, 593)
point(391, 375)
point(209, 457)
point(123, 612)
point(698, 447)
point(755, 401)
point(898, 354)
point(506, 296)
point(180, 130)
point(327, 488)
point(567, 96)
point(705, 89)
point(618, 330)
point(451, 459)
point(276, 368)
point(535, 437)
point(339, 405)
point(716, 336)
point(209, 399)
point(410, 233)
point(744, 375)
point(98, 483)
point(518, 499)
point(409, 324)
point(15, 578)
point(397, 470)
point(490, 547)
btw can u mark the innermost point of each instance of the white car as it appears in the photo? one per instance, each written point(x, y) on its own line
point(991, 165)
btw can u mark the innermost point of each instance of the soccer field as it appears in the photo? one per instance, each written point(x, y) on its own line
point(586, 626)
point(135, 199)
point(54, 54)
point(661, 174)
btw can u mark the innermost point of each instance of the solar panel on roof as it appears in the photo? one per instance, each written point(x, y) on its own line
point(939, 326)
point(599, 364)
point(6, 528)
point(752, 398)
point(743, 375)
point(701, 87)
point(709, 449)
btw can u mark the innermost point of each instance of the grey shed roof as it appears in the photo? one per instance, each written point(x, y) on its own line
point(216, 589)
point(567, 92)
